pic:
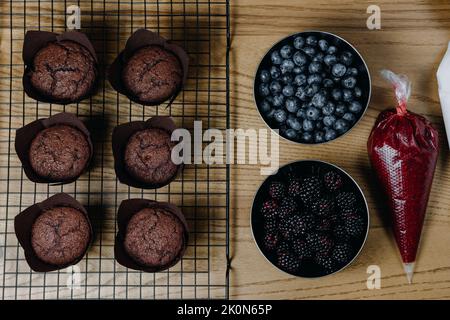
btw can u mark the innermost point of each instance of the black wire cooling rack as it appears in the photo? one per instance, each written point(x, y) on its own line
point(202, 191)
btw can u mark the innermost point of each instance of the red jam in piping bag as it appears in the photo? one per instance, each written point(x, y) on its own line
point(403, 150)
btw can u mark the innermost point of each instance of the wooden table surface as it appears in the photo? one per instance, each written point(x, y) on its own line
point(413, 39)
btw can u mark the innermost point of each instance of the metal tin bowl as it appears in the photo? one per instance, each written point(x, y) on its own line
point(363, 78)
point(301, 168)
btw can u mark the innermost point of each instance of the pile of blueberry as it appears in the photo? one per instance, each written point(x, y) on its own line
point(312, 222)
point(310, 90)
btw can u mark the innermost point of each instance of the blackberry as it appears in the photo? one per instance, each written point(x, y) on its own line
point(270, 225)
point(269, 208)
point(290, 205)
point(310, 189)
point(323, 207)
point(270, 241)
point(342, 253)
point(319, 243)
point(325, 262)
point(333, 181)
point(301, 248)
point(277, 190)
point(283, 247)
point(323, 224)
point(294, 187)
point(284, 212)
point(288, 262)
point(346, 200)
point(340, 233)
point(292, 226)
point(354, 225)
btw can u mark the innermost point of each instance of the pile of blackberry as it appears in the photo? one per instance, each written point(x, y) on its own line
point(312, 222)
point(310, 90)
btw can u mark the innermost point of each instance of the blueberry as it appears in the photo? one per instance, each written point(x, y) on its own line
point(280, 115)
point(332, 50)
point(319, 57)
point(314, 78)
point(312, 89)
point(330, 134)
point(341, 126)
point(299, 70)
point(301, 93)
point(287, 78)
point(340, 110)
point(299, 42)
point(315, 67)
point(293, 123)
point(338, 70)
point(336, 80)
point(291, 134)
point(265, 106)
point(308, 125)
point(275, 87)
point(327, 83)
point(350, 117)
point(347, 95)
point(275, 72)
point(301, 113)
point(264, 76)
point(323, 45)
point(319, 124)
point(330, 60)
point(346, 58)
point(312, 113)
point(287, 66)
point(264, 89)
point(319, 136)
point(300, 79)
point(300, 58)
point(311, 41)
point(278, 101)
point(349, 82)
point(310, 51)
point(355, 107)
point(329, 121)
point(328, 109)
point(286, 51)
point(269, 114)
point(358, 92)
point(292, 104)
point(352, 72)
point(307, 137)
point(288, 90)
point(336, 94)
point(319, 100)
point(276, 58)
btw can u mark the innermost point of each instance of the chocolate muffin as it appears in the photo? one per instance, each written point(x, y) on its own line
point(148, 156)
point(59, 153)
point(63, 71)
point(60, 235)
point(154, 237)
point(152, 74)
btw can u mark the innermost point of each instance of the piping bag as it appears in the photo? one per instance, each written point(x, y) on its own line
point(403, 150)
point(443, 77)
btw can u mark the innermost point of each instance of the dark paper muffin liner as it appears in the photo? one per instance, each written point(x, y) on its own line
point(26, 134)
point(126, 210)
point(139, 39)
point(36, 40)
point(24, 221)
point(120, 137)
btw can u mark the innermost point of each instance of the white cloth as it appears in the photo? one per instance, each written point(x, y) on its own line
point(443, 77)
